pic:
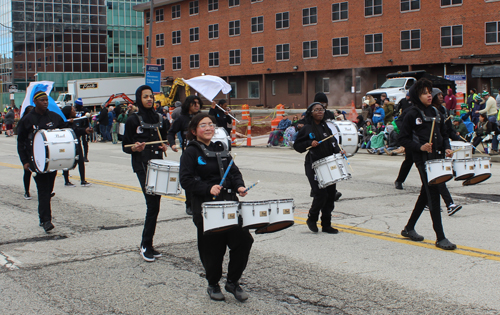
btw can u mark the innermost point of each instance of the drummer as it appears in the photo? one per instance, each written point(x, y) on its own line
point(146, 126)
point(39, 118)
point(201, 175)
point(417, 124)
point(315, 130)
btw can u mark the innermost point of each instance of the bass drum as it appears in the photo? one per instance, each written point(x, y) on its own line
point(346, 133)
point(222, 136)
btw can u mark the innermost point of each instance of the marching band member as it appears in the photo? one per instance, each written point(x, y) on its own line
point(203, 164)
point(315, 130)
point(38, 118)
point(145, 126)
point(415, 134)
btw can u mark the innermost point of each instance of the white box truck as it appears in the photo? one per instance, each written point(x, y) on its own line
point(94, 92)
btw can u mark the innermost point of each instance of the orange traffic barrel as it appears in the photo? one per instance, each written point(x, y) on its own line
point(275, 122)
point(280, 110)
point(245, 113)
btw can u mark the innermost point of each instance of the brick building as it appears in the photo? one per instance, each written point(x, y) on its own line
point(285, 51)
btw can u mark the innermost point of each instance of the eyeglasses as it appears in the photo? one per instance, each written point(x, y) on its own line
point(318, 110)
point(195, 103)
point(206, 126)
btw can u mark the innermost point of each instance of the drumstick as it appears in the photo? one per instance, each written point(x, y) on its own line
point(321, 141)
point(472, 145)
point(251, 186)
point(159, 135)
point(225, 174)
point(432, 130)
point(147, 143)
point(345, 157)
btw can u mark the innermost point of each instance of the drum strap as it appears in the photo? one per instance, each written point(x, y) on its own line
point(151, 126)
point(428, 118)
point(217, 154)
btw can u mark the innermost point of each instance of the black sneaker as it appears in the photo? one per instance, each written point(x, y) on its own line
point(237, 291)
point(413, 235)
point(338, 194)
point(27, 196)
point(453, 208)
point(189, 211)
point(215, 293)
point(147, 254)
point(86, 160)
point(330, 230)
point(398, 185)
point(156, 254)
point(52, 194)
point(69, 184)
point(312, 225)
point(85, 184)
point(47, 226)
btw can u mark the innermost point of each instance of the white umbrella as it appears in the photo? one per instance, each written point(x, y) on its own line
point(209, 85)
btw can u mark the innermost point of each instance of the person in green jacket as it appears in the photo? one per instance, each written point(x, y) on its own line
point(459, 127)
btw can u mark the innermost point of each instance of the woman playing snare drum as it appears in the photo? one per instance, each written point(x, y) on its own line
point(200, 175)
point(314, 131)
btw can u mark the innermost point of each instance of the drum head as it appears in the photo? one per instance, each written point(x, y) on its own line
point(219, 230)
point(441, 179)
point(476, 179)
point(275, 227)
point(464, 176)
point(40, 151)
point(164, 162)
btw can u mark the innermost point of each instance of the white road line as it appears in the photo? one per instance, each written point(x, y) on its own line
point(9, 262)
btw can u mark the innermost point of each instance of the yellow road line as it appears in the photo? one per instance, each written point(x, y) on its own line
point(462, 250)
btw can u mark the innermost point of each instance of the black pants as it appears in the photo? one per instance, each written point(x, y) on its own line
point(212, 249)
point(445, 194)
point(45, 185)
point(85, 144)
point(27, 181)
point(153, 208)
point(81, 166)
point(323, 199)
point(405, 168)
point(429, 194)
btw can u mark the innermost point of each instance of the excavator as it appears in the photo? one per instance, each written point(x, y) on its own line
point(115, 96)
point(169, 100)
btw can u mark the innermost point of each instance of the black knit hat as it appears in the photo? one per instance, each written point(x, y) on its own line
point(321, 97)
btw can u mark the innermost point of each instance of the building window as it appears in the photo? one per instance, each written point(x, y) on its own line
point(213, 5)
point(213, 59)
point(161, 61)
point(493, 32)
point(340, 11)
point(234, 3)
point(253, 89)
point(147, 17)
point(213, 31)
point(446, 3)
point(160, 40)
point(234, 28)
point(257, 24)
point(176, 37)
point(282, 52)
point(176, 11)
point(159, 15)
point(373, 43)
point(235, 57)
point(295, 86)
point(176, 63)
point(253, 1)
point(193, 7)
point(194, 61)
point(234, 88)
point(451, 36)
point(282, 20)
point(194, 34)
point(410, 40)
point(322, 85)
point(310, 49)
point(309, 16)
point(258, 54)
point(340, 46)
point(410, 5)
point(373, 7)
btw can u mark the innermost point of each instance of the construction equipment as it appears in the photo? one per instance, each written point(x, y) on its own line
point(115, 96)
point(167, 97)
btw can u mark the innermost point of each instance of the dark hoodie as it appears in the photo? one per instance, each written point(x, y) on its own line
point(135, 132)
point(415, 131)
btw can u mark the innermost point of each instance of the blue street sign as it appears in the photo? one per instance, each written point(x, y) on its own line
point(455, 77)
point(153, 77)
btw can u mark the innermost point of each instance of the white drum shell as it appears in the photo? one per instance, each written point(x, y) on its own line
point(222, 136)
point(463, 169)
point(330, 170)
point(438, 168)
point(482, 171)
point(163, 177)
point(281, 210)
point(465, 150)
point(346, 133)
point(254, 214)
point(54, 149)
point(219, 216)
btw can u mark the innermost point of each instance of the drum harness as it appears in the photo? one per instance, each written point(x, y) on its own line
point(217, 154)
point(429, 118)
point(145, 125)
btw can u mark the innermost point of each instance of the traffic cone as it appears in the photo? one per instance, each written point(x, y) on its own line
point(353, 114)
point(249, 132)
point(233, 132)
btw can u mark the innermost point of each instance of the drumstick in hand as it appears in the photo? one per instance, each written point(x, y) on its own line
point(225, 174)
point(432, 130)
point(159, 135)
point(321, 141)
point(252, 186)
point(147, 143)
point(345, 157)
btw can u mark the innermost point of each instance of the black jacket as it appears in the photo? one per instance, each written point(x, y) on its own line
point(103, 117)
point(180, 124)
point(306, 136)
point(221, 118)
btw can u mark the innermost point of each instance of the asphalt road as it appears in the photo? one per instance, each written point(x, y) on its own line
point(90, 263)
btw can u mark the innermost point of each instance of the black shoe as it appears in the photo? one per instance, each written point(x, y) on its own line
point(453, 208)
point(413, 235)
point(312, 225)
point(330, 230)
point(446, 244)
point(52, 194)
point(147, 254)
point(237, 291)
point(27, 196)
point(215, 293)
point(69, 184)
point(156, 254)
point(85, 184)
point(47, 226)
point(189, 211)
point(398, 185)
point(86, 160)
point(338, 194)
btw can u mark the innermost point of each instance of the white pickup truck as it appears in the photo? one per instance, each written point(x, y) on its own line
point(395, 89)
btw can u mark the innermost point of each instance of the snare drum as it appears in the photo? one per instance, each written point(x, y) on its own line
point(222, 136)
point(463, 169)
point(162, 178)
point(465, 150)
point(54, 149)
point(330, 170)
point(280, 216)
point(346, 133)
point(254, 214)
point(219, 216)
point(482, 171)
point(438, 171)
